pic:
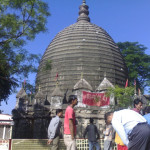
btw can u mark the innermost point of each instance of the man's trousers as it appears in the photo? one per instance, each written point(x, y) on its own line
point(55, 143)
point(70, 144)
point(139, 139)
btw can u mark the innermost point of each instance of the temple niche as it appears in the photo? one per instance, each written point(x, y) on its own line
point(57, 98)
point(81, 85)
point(104, 85)
point(80, 54)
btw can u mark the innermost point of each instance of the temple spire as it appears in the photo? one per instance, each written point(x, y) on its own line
point(83, 12)
point(81, 75)
point(84, 2)
point(104, 74)
point(39, 88)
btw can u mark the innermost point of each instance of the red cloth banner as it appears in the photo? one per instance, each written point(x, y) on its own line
point(126, 83)
point(95, 99)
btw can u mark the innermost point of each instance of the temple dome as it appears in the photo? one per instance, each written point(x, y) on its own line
point(39, 94)
point(81, 47)
point(82, 84)
point(57, 92)
point(22, 94)
point(104, 85)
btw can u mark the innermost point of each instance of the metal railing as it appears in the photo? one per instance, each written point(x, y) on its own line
point(82, 144)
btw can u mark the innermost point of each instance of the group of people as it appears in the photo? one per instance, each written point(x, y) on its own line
point(69, 126)
point(130, 126)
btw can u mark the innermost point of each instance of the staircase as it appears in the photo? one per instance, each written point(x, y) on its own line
point(41, 144)
point(33, 144)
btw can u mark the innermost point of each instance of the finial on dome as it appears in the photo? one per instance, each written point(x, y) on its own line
point(39, 88)
point(57, 83)
point(84, 2)
point(81, 75)
point(104, 74)
point(83, 12)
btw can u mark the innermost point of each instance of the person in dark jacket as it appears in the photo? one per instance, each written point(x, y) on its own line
point(93, 135)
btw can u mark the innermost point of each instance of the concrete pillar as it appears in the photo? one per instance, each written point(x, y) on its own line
point(4, 131)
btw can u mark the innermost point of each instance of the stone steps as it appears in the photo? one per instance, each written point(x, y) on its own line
point(33, 144)
point(41, 144)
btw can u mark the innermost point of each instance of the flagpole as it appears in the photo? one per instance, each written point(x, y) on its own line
point(56, 79)
point(135, 88)
point(126, 85)
point(139, 93)
point(24, 84)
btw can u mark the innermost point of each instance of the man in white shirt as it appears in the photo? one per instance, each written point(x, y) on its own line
point(131, 127)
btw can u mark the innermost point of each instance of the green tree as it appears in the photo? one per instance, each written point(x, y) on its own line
point(138, 63)
point(20, 21)
point(123, 96)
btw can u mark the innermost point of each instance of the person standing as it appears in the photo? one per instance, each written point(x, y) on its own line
point(147, 114)
point(108, 137)
point(54, 130)
point(70, 124)
point(138, 104)
point(132, 128)
point(92, 132)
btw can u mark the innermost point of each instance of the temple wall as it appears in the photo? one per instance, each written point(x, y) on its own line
point(82, 118)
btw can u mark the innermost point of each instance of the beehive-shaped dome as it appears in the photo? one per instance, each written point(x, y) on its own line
point(81, 47)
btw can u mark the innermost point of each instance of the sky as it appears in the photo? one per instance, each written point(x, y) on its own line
point(123, 20)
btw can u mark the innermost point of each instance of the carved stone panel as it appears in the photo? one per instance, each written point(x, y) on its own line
point(56, 102)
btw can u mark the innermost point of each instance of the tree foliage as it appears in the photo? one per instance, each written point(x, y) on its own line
point(20, 21)
point(47, 65)
point(123, 96)
point(138, 63)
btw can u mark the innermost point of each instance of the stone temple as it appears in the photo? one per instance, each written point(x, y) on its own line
point(85, 48)
point(82, 57)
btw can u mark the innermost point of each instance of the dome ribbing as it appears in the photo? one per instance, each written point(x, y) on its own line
point(81, 47)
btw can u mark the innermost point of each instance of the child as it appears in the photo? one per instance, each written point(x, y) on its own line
point(108, 136)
